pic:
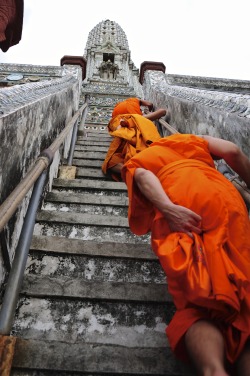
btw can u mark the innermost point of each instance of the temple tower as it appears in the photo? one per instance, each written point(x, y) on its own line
point(108, 55)
point(109, 73)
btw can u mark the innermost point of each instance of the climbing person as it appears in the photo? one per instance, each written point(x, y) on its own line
point(131, 132)
point(133, 106)
point(200, 231)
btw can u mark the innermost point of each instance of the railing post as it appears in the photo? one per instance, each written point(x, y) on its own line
point(84, 115)
point(72, 143)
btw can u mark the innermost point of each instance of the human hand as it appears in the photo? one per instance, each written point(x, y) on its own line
point(181, 219)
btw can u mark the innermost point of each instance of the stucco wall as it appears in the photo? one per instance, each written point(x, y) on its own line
point(27, 129)
point(220, 110)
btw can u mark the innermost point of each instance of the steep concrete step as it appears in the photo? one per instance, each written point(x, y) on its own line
point(53, 244)
point(95, 268)
point(96, 163)
point(90, 154)
point(94, 148)
point(83, 185)
point(104, 134)
point(79, 288)
point(86, 209)
point(128, 323)
point(95, 137)
point(83, 198)
point(93, 173)
point(96, 233)
point(98, 359)
point(93, 142)
point(86, 226)
point(82, 219)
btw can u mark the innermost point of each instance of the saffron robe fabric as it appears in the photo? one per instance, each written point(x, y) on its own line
point(129, 140)
point(128, 106)
point(208, 276)
point(11, 23)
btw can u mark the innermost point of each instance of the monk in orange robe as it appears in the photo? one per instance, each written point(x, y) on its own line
point(133, 106)
point(132, 134)
point(200, 231)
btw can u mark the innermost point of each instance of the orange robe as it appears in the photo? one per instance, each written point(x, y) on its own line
point(130, 140)
point(128, 106)
point(208, 276)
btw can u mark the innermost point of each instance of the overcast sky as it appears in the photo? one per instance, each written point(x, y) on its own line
point(208, 38)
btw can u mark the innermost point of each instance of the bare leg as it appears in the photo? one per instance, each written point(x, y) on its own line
point(243, 364)
point(205, 346)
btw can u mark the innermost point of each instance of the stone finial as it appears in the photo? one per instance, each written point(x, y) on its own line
point(150, 65)
point(75, 60)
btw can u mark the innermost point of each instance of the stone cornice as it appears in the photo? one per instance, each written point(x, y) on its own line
point(17, 96)
point(32, 69)
point(230, 102)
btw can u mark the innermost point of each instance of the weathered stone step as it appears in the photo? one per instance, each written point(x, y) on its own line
point(85, 232)
point(82, 219)
point(88, 163)
point(86, 209)
point(83, 198)
point(97, 359)
point(66, 287)
point(94, 142)
point(90, 154)
point(111, 186)
point(94, 136)
point(137, 324)
point(94, 269)
point(86, 203)
point(95, 148)
point(94, 173)
point(52, 244)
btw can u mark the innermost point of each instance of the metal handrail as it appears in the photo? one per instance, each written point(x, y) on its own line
point(172, 130)
point(37, 177)
point(243, 190)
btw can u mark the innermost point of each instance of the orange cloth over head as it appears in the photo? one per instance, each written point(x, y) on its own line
point(208, 276)
point(128, 106)
point(129, 140)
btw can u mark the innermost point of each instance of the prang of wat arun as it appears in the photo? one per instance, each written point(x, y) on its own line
point(93, 299)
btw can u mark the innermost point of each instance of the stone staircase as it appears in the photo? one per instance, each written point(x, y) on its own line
point(94, 299)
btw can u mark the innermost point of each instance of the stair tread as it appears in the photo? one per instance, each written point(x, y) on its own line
point(85, 183)
point(82, 218)
point(92, 248)
point(42, 285)
point(88, 357)
point(86, 198)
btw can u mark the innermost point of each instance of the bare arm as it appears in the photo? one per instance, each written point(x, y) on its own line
point(232, 155)
point(179, 218)
point(146, 103)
